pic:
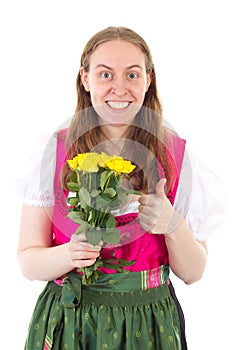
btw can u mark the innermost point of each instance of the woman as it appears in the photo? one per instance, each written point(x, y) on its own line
point(118, 111)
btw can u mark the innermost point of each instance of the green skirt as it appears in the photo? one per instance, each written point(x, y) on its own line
point(119, 312)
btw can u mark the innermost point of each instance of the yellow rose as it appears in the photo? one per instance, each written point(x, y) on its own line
point(119, 165)
point(73, 163)
point(89, 162)
point(103, 157)
point(84, 161)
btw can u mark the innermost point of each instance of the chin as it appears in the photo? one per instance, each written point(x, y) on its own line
point(118, 124)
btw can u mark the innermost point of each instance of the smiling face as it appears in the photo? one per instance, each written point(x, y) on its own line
point(117, 81)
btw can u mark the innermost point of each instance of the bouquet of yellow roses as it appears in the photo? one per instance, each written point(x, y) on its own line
point(96, 182)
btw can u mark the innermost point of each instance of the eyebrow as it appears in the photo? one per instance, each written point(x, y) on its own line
point(107, 67)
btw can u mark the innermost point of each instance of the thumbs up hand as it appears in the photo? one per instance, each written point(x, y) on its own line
point(156, 214)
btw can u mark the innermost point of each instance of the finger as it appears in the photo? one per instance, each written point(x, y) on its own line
point(90, 246)
point(79, 238)
point(152, 206)
point(147, 199)
point(78, 243)
point(76, 247)
point(83, 255)
point(160, 191)
point(147, 211)
point(84, 263)
point(145, 219)
point(145, 224)
point(143, 200)
point(84, 246)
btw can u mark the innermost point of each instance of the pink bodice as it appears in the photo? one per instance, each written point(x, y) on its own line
point(148, 250)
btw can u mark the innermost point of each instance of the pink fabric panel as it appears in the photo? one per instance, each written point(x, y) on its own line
point(148, 250)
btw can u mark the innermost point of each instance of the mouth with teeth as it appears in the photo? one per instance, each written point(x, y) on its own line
point(118, 105)
point(118, 113)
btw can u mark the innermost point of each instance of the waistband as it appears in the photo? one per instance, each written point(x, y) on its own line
point(119, 288)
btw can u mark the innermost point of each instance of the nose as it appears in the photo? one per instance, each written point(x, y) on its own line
point(119, 86)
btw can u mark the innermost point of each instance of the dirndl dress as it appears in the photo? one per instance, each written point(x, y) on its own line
point(131, 310)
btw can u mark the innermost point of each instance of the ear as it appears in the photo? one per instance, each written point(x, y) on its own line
point(148, 81)
point(84, 79)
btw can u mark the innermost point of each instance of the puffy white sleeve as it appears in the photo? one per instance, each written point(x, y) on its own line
point(200, 198)
point(35, 186)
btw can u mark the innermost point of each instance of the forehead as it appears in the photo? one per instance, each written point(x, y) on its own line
point(117, 53)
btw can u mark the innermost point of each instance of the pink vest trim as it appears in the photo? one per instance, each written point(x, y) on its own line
point(149, 251)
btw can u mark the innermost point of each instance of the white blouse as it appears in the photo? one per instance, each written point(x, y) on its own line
point(199, 199)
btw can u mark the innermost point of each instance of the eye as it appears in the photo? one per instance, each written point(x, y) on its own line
point(106, 75)
point(133, 75)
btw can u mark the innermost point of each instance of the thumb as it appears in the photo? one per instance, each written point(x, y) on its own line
point(160, 192)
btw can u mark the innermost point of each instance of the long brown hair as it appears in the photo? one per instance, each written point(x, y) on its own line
point(147, 132)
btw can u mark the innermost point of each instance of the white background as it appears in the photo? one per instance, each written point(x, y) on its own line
point(191, 43)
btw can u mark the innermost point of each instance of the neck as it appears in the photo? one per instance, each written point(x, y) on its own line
point(117, 131)
point(113, 138)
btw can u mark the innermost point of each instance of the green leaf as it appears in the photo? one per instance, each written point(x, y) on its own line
point(111, 236)
point(122, 197)
point(73, 177)
point(85, 198)
point(133, 192)
point(102, 202)
point(94, 236)
point(114, 205)
point(105, 198)
point(104, 177)
point(73, 201)
point(76, 217)
point(110, 192)
point(72, 186)
point(111, 222)
point(95, 193)
point(114, 181)
point(90, 216)
point(82, 228)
